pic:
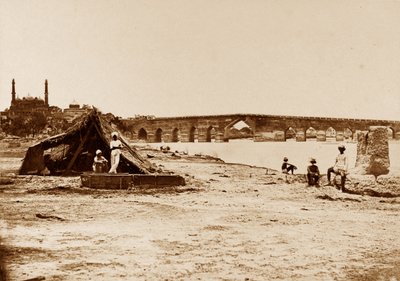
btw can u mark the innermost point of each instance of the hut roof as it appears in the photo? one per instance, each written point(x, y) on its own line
point(74, 150)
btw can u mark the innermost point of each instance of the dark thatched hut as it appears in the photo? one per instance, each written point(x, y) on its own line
point(73, 151)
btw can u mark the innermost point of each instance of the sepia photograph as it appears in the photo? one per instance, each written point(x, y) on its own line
point(206, 140)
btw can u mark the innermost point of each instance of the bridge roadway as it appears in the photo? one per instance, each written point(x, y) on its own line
point(210, 128)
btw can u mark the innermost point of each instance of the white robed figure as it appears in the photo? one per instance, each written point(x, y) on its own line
point(115, 146)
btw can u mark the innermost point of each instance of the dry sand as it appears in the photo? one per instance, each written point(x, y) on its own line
point(230, 222)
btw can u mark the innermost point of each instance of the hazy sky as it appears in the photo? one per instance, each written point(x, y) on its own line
point(193, 57)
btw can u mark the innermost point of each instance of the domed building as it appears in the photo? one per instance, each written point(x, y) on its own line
point(28, 104)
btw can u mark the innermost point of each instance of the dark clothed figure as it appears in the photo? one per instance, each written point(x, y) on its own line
point(313, 174)
point(287, 167)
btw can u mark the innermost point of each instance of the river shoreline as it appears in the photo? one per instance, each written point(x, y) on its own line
point(230, 222)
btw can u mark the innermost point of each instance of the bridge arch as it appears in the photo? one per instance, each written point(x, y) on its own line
point(238, 128)
point(158, 136)
point(175, 135)
point(193, 134)
point(311, 133)
point(390, 132)
point(290, 134)
point(142, 135)
point(211, 134)
point(330, 133)
point(348, 134)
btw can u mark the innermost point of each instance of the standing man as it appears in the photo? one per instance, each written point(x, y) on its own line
point(340, 167)
point(115, 146)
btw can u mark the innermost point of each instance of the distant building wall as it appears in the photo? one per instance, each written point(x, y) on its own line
point(72, 112)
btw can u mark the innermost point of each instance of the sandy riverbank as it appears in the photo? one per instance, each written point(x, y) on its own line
point(230, 222)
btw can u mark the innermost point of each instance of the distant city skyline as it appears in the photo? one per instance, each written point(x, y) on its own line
point(178, 58)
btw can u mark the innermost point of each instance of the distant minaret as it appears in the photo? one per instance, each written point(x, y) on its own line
point(13, 92)
point(46, 93)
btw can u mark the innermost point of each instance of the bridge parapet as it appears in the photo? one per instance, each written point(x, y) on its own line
point(208, 128)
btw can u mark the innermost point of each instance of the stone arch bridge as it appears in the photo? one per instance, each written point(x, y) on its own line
point(216, 128)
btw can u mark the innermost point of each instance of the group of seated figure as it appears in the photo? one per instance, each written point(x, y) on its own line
point(313, 174)
point(100, 164)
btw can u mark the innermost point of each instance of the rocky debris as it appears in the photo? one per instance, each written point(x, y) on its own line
point(175, 155)
point(326, 197)
point(383, 186)
point(390, 181)
point(280, 178)
point(165, 153)
point(39, 278)
point(331, 198)
point(165, 149)
point(296, 178)
point(373, 152)
point(6, 180)
point(50, 217)
point(360, 181)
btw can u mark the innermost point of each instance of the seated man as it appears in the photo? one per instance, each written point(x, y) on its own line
point(340, 167)
point(100, 163)
point(313, 173)
point(286, 167)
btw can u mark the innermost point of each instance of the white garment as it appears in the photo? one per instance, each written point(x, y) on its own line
point(115, 154)
point(99, 163)
point(341, 163)
point(115, 146)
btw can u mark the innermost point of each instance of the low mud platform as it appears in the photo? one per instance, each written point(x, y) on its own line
point(126, 181)
point(106, 181)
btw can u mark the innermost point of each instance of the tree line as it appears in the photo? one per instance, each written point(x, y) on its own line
point(32, 124)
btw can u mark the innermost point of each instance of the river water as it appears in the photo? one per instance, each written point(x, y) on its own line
point(270, 154)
